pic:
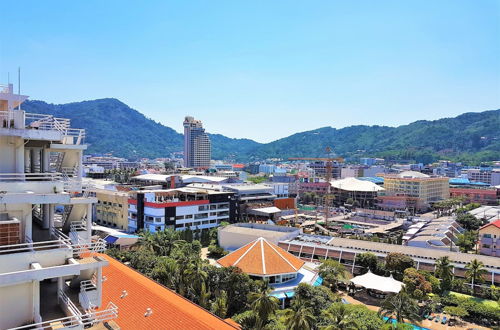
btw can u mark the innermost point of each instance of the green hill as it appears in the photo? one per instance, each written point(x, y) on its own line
point(114, 127)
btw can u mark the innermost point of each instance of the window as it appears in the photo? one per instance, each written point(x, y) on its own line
point(486, 246)
point(149, 219)
point(179, 217)
point(486, 235)
point(203, 208)
point(189, 216)
point(201, 216)
point(158, 219)
point(213, 207)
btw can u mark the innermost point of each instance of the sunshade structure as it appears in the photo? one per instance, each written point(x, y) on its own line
point(379, 283)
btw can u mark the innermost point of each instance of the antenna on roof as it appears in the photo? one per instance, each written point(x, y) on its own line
point(19, 86)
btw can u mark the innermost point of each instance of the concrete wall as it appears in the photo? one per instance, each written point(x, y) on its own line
point(16, 305)
point(8, 154)
point(21, 261)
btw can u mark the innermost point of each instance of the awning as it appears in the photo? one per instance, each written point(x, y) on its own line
point(376, 282)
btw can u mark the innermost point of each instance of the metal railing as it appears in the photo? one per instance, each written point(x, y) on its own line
point(35, 246)
point(49, 122)
point(6, 177)
point(78, 320)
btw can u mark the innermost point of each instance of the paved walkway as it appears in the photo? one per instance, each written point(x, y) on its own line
point(204, 256)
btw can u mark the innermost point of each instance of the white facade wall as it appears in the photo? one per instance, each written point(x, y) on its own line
point(15, 314)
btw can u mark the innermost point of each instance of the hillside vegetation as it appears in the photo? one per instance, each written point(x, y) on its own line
point(112, 126)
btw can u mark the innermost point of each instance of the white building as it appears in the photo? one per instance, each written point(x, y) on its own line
point(181, 208)
point(48, 263)
point(197, 147)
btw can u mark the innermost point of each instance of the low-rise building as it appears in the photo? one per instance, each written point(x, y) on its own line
point(486, 196)
point(112, 209)
point(489, 239)
point(234, 236)
point(363, 193)
point(264, 260)
point(434, 234)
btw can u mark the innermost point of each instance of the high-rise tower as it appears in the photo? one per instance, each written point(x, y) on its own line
point(197, 148)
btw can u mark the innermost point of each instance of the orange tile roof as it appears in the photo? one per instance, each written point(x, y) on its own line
point(261, 257)
point(495, 223)
point(169, 310)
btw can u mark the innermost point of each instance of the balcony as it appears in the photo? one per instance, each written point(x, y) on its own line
point(40, 126)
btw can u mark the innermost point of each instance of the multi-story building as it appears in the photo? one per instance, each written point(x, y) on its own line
point(352, 171)
point(489, 239)
point(319, 168)
point(423, 187)
point(197, 148)
point(487, 175)
point(50, 275)
point(112, 208)
point(487, 196)
point(181, 208)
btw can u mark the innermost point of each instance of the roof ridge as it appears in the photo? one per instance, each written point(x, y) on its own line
point(245, 253)
point(262, 253)
point(282, 257)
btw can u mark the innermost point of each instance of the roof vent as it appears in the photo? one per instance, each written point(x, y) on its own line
point(149, 311)
point(124, 294)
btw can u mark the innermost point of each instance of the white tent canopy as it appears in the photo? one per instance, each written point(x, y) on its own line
point(376, 282)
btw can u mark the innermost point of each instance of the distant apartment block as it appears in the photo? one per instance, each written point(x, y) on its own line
point(179, 209)
point(112, 209)
point(489, 239)
point(486, 175)
point(487, 196)
point(197, 147)
point(319, 168)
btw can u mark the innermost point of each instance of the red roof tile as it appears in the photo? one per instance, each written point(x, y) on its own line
point(261, 257)
point(169, 310)
point(495, 223)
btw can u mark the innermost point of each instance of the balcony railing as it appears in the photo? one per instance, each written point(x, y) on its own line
point(13, 177)
point(35, 246)
point(78, 320)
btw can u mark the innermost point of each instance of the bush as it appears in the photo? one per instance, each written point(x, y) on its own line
point(216, 252)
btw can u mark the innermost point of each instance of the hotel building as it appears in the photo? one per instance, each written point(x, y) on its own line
point(50, 270)
point(197, 148)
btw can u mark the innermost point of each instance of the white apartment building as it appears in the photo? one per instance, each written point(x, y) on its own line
point(489, 176)
point(179, 209)
point(50, 269)
point(197, 147)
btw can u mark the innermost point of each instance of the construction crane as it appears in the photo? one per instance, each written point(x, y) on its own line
point(328, 177)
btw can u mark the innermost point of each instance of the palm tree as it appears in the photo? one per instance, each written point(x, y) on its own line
point(444, 271)
point(474, 272)
point(219, 306)
point(401, 305)
point(263, 305)
point(339, 318)
point(332, 271)
point(300, 319)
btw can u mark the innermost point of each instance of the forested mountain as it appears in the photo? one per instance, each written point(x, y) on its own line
point(114, 127)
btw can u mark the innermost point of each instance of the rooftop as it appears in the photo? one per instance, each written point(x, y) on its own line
point(353, 184)
point(261, 257)
point(134, 293)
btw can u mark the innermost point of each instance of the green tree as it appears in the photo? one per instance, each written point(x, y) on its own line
point(456, 311)
point(368, 261)
point(467, 241)
point(400, 306)
point(263, 305)
point(332, 271)
point(338, 317)
point(444, 271)
point(219, 306)
point(301, 318)
point(474, 273)
point(416, 284)
point(315, 297)
point(397, 262)
point(468, 221)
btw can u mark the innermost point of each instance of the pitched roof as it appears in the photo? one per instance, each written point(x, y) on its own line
point(169, 310)
point(495, 223)
point(261, 257)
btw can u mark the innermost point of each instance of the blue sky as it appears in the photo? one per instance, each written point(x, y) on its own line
point(260, 69)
